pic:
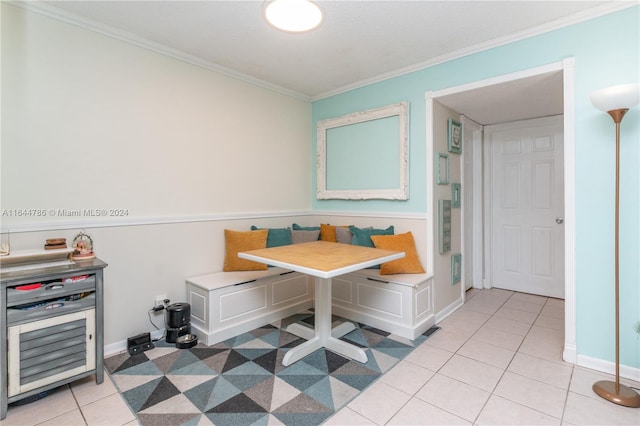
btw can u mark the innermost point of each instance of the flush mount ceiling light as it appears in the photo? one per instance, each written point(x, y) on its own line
point(294, 16)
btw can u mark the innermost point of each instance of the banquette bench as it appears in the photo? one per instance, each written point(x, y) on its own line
point(226, 304)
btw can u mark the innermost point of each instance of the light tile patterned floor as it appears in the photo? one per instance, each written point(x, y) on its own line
point(497, 360)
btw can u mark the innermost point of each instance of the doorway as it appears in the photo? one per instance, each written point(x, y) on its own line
point(538, 92)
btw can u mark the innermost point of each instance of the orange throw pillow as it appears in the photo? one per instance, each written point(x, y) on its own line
point(237, 241)
point(409, 264)
point(328, 233)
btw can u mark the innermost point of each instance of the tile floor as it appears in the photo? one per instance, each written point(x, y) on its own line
point(497, 360)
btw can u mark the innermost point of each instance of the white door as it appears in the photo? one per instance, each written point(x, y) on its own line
point(526, 198)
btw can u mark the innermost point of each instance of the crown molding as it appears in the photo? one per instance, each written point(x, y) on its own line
point(42, 8)
point(596, 12)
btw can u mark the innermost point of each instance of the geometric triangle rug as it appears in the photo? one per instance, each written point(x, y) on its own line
point(241, 381)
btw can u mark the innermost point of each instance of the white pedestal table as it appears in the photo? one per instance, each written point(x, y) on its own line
point(323, 260)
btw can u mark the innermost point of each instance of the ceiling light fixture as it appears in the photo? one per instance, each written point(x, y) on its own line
point(294, 16)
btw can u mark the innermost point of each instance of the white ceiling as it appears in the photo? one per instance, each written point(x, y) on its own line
point(535, 96)
point(359, 42)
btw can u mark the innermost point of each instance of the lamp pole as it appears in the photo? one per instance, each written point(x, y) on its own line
point(624, 96)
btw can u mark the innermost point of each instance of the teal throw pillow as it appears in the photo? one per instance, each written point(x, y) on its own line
point(297, 227)
point(362, 237)
point(277, 236)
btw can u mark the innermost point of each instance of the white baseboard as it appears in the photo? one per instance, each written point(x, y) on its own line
point(449, 310)
point(121, 346)
point(569, 354)
point(608, 367)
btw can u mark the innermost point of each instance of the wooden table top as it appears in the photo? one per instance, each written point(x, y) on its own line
point(322, 258)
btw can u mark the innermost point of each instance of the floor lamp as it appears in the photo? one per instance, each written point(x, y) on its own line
point(616, 101)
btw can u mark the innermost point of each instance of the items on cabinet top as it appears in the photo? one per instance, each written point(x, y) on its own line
point(83, 247)
point(55, 243)
point(54, 253)
point(22, 260)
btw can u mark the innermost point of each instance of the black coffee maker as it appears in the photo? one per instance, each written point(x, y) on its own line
point(177, 321)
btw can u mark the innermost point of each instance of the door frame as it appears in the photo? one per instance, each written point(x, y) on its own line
point(567, 67)
point(472, 215)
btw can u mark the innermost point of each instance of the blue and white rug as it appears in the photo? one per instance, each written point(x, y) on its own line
point(242, 381)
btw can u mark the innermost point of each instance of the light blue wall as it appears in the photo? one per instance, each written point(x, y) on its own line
point(606, 52)
point(368, 142)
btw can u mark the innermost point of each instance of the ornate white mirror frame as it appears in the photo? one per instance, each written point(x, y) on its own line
point(402, 191)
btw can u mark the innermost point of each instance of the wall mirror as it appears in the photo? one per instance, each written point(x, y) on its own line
point(364, 155)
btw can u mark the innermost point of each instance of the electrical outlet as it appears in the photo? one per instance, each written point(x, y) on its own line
point(159, 300)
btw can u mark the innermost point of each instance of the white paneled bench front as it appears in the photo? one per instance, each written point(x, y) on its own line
point(227, 304)
point(401, 304)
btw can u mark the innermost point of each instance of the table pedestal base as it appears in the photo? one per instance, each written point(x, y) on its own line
point(323, 336)
point(309, 333)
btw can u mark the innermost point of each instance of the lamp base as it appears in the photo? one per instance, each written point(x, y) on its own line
point(624, 396)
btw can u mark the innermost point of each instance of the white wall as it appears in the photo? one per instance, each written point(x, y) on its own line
point(446, 293)
point(92, 122)
point(149, 260)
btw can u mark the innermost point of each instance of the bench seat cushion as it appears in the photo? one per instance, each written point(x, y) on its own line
point(411, 280)
point(217, 280)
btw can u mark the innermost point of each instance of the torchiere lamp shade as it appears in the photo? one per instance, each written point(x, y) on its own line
point(622, 96)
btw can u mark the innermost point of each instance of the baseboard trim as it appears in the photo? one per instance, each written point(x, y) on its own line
point(608, 367)
point(457, 304)
point(121, 346)
point(569, 354)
